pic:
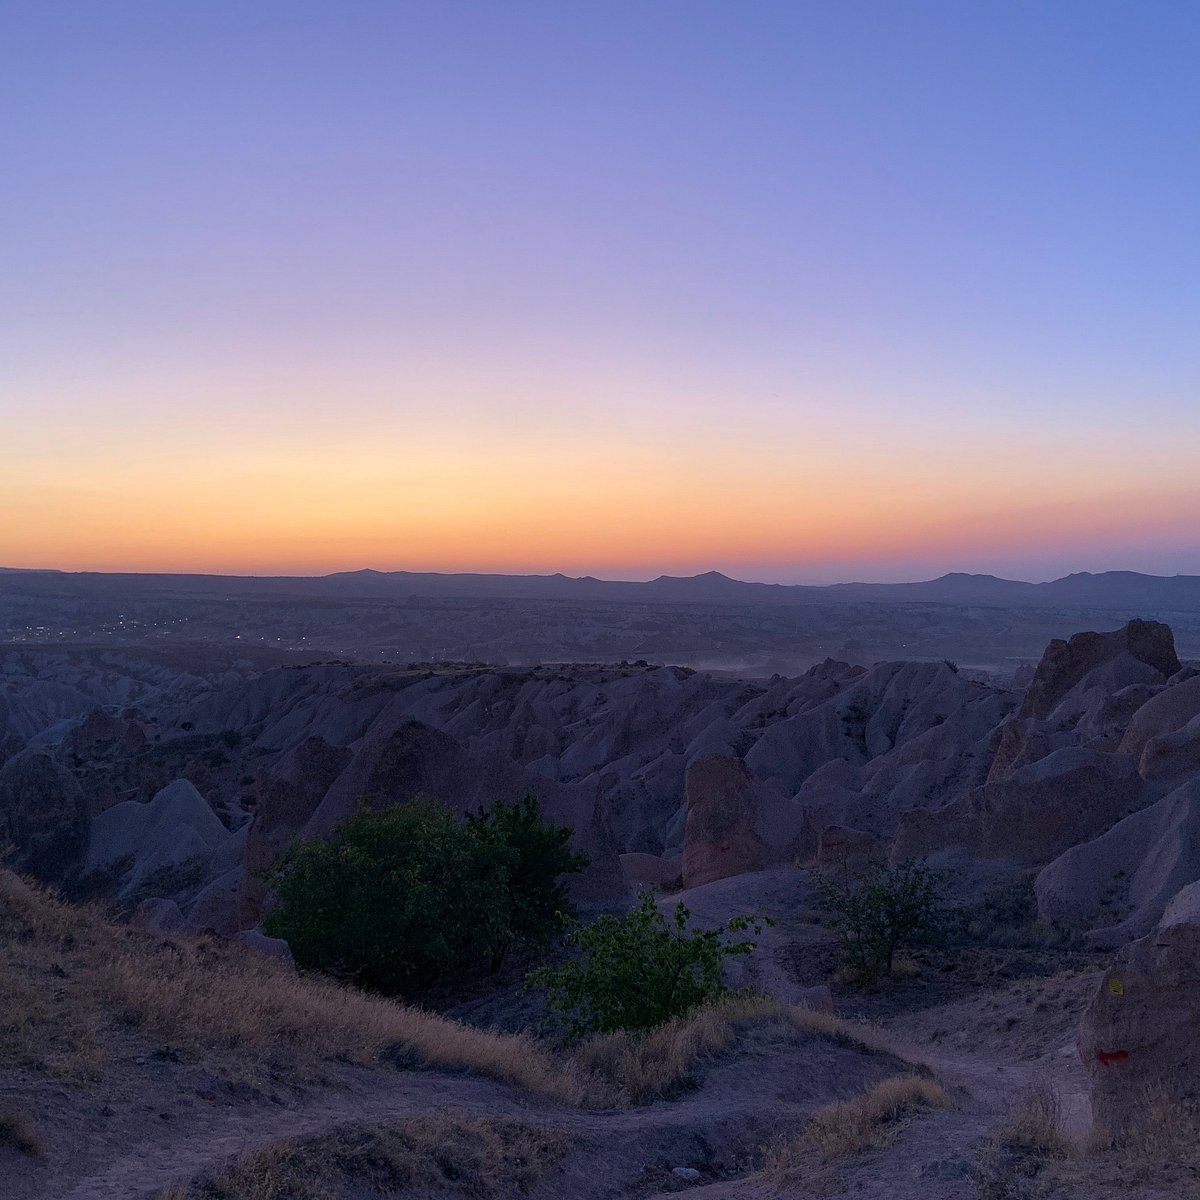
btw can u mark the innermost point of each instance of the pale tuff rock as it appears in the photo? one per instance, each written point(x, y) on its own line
point(1140, 1036)
point(1123, 879)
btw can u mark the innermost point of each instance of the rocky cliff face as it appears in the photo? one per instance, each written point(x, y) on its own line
point(696, 774)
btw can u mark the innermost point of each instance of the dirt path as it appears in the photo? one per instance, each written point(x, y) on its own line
point(163, 1153)
point(987, 1052)
point(770, 1081)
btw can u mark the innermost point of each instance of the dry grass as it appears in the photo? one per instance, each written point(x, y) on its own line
point(1035, 1124)
point(645, 1067)
point(77, 992)
point(1017, 1160)
point(1028, 1157)
point(835, 1131)
point(472, 1156)
point(15, 1131)
point(1162, 1152)
point(76, 988)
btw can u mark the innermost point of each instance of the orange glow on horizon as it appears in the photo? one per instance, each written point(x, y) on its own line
point(514, 513)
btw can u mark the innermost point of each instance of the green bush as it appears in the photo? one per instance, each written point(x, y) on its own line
point(401, 900)
point(536, 856)
point(881, 911)
point(639, 970)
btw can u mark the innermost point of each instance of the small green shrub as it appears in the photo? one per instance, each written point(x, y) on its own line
point(638, 970)
point(881, 911)
point(401, 900)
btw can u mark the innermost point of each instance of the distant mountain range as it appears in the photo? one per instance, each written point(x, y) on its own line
point(1126, 590)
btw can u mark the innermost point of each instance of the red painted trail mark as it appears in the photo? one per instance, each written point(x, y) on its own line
point(1105, 1057)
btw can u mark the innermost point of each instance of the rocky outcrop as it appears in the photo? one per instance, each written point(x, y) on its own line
point(735, 824)
point(1164, 734)
point(1033, 815)
point(1140, 651)
point(1140, 1035)
point(159, 916)
point(174, 842)
point(412, 759)
point(287, 797)
point(43, 815)
point(848, 849)
point(268, 947)
point(650, 870)
point(1121, 881)
point(102, 733)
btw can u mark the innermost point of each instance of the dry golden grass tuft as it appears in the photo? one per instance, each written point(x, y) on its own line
point(475, 1156)
point(835, 1131)
point(1035, 1124)
point(645, 1067)
point(1021, 1157)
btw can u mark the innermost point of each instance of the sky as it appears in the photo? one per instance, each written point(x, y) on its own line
point(798, 291)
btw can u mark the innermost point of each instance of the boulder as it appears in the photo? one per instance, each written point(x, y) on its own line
point(651, 870)
point(268, 947)
point(1140, 1035)
point(215, 909)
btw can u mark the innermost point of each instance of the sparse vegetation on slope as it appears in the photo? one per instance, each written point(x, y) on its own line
point(1029, 1156)
point(80, 993)
point(849, 1127)
point(470, 1156)
point(76, 989)
point(646, 1066)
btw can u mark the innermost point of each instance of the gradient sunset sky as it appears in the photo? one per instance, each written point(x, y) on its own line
point(799, 291)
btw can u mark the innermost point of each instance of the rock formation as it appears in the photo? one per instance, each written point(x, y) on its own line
point(1140, 1036)
point(1121, 881)
point(43, 815)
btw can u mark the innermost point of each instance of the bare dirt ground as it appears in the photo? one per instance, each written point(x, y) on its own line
point(987, 1051)
point(770, 1082)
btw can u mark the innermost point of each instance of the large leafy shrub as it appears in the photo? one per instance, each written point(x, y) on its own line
point(536, 856)
point(410, 897)
point(638, 970)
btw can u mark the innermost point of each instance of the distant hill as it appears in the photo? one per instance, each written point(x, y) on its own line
point(1109, 589)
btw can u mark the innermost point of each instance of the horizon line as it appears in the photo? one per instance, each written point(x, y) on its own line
point(711, 573)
